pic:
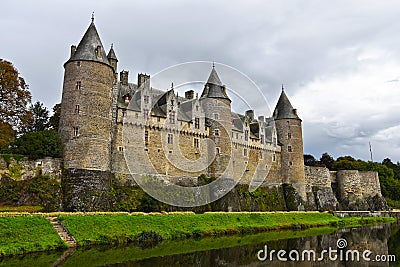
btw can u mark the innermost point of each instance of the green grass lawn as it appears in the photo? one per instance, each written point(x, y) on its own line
point(27, 234)
point(119, 229)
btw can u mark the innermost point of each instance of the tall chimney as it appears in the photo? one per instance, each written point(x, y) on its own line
point(189, 94)
point(73, 50)
point(123, 77)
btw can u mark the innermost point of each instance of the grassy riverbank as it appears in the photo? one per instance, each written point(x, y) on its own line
point(29, 233)
point(100, 229)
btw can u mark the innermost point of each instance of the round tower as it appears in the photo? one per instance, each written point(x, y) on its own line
point(290, 137)
point(217, 107)
point(85, 124)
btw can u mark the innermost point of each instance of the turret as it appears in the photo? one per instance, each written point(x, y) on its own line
point(289, 132)
point(112, 58)
point(217, 106)
point(85, 123)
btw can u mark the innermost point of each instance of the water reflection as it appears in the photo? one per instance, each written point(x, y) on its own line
point(231, 251)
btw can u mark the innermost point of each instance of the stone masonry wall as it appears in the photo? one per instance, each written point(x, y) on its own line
point(30, 168)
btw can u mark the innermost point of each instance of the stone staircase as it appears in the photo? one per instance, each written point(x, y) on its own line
point(63, 232)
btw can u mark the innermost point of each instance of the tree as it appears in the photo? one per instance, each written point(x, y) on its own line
point(15, 97)
point(37, 145)
point(327, 160)
point(55, 118)
point(40, 118)
point(7, 135)
point(309, 160)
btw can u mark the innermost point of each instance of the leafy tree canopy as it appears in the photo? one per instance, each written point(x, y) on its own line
point(55, 118)
point(15, 97)
point(37, 145)
point(40, 118)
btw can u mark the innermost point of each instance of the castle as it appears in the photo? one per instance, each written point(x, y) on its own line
point(110, 127)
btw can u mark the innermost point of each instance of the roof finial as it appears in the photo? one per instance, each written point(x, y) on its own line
point(213, 64)
point(283, 89)
point(172, 85)
point(93, 16)
point(112, 45)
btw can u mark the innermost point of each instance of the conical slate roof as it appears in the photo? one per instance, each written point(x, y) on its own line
point(111, 54)
point(284, 109)
point(214, 88)
point(87, 47)
point(213, 78)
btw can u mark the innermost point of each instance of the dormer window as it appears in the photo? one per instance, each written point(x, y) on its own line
point(127, 98)
point(98, 51)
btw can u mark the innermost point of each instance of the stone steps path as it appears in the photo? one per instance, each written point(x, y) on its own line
point(63, 232)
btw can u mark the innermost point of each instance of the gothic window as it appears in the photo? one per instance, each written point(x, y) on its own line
point(196, 142)
point(76, 131)
point(146, 136)
point(237, 136)
point(217, 150)
point(289, 135)
point(246, 135)
point(76, 109)
point(146, 99)
point(78, 85)
point(216, 132)
point(145, 114)
point(170, 138)
point(172, 117)
point(289, 149)
point(197, 123)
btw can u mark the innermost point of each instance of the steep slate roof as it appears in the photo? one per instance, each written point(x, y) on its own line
point(111, 54)
point(283, 109)
point(86, 49)
point(213, 87)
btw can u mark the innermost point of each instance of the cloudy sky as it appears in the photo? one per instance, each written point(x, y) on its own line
point(339, 60)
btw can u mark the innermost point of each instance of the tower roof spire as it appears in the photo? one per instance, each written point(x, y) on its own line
point(111, 53)
point(93, 17)
point(214, 87)
point(284, 109)
point(90, 47)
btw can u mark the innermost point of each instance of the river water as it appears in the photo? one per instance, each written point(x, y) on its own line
point(313, 247)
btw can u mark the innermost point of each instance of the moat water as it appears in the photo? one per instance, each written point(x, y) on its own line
point(373, 243)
